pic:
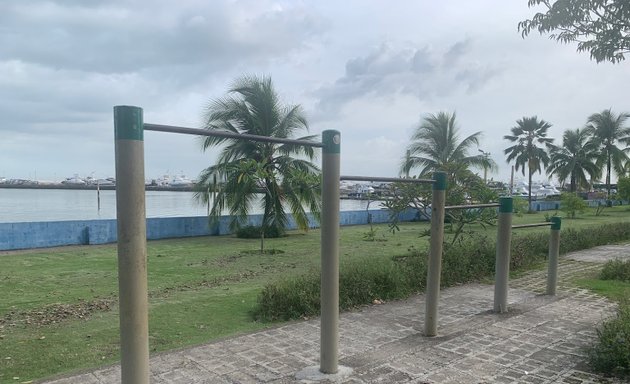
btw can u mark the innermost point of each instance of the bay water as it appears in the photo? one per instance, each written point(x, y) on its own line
point(26, 205)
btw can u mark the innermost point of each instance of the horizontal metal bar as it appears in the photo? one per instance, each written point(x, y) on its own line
point(387, 179)
point(489, 205)
point(228, 135)
point(530, 225)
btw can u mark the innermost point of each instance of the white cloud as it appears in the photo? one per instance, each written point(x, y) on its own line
point(368, 68)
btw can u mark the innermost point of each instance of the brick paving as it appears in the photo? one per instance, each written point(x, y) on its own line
point(541, 339)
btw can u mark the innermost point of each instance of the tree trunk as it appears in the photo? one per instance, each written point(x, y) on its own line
point(573, 186)
point(608, 178)
point(529, 186)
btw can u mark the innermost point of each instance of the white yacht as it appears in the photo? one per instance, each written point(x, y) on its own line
point(181, 181)
point(74, 180)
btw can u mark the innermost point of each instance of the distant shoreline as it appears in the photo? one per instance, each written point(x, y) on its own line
point(91, 187)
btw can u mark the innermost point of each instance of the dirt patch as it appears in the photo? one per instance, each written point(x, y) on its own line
point(212, 283)
point(57, 313)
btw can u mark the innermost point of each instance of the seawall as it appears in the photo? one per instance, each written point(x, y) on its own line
point(45, 234)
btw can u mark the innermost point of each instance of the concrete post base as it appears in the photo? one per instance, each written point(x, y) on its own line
point(313, 375)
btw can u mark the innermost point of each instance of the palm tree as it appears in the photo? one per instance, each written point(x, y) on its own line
point(282, 174)
point(576, 160)
point(527, 135)
point(609, 129)
point(435, 146)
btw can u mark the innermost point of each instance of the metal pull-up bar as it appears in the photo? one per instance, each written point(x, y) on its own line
point(228, 135)
point(129, 130)
point(387, 179)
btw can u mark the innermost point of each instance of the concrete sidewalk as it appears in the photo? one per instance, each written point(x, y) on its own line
point(540, 340)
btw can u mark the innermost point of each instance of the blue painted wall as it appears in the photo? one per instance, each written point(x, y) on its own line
point(57, 233)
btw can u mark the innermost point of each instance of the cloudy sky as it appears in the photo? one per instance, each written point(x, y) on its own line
point(371, 69)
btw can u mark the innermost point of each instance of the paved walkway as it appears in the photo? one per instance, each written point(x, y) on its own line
point(540, 340)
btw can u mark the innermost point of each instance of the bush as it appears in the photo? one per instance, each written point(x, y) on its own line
point(470, 259)
point(253, 232)
point(578, 239)
point(611, 353)
point(362, 283)
point(289, 298)
point(571, 204)
point(616, 270)
point(529, 249)
point(385, 279)
point(520, 205)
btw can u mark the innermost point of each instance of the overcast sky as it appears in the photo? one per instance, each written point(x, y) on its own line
point(371, 69)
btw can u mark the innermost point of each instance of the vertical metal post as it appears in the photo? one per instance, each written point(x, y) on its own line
point(132, 252)
point(435, 254)
point(502, 267)
point(330, 252)
point(554, 251)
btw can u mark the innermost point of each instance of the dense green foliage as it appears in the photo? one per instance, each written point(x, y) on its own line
point(601, 27)
point(574, 239)
point(616, 270)
point(468, 260)
point(571, 204)
point(623, 188)
point(363, 282)
point(611, 353)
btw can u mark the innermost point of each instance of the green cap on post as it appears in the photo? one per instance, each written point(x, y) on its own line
point(556, 222)
point(506, 205)
point(439, 179)
point(332, 141)
point(128, 123)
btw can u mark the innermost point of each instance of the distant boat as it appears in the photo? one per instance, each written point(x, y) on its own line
point(361, 191)
point(539, 190)
point(106, 182)
point(181, 181)
point(3, 180)
point(74, 180)
point(546, 190)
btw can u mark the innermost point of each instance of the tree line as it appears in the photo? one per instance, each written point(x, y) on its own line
point(283, 177)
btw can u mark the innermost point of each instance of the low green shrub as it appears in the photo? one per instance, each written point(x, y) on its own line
point(572, 204)
point(253, 232)
point(589, 237)
point(529, 249)
point(611, 352)
point(616, 270)
point(362, 283)
point(289, 298)
point(470, 259)
point(375, 279)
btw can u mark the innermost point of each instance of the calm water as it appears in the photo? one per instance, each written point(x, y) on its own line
point(18, 205)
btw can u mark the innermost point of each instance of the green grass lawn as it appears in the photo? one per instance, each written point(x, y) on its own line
point(58, 307)
point(612, 289)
